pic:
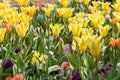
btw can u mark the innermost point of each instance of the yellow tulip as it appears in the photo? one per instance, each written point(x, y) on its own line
point(1, 21)
point(49, 9)
point(64, 3)
point(60, 11)
point(74, 44)
point(24, 18)
point(106, 8)
point(96, 3)
point(96, 20)
point(56, 29)
point(117, 15)
point(118, 2)
point(35, 55)
point(118, 26)
point(2, 34)
point(116, 7)
point(22, 2)
point(72, 20)
point(86, 2)
point(42, 57)
point(85, 22)
point(68, 12)
point(76, 29)
point(86, 32)
point(29, 9)
point(80, 15)
point(95, 44)
point(21, 29)
point(104, 30)
point(81, 43)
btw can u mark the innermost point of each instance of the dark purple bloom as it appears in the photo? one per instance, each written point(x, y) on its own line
point(66, 48)
point(17, 50)
point(70, 41)
point(104, 71)
point(8, 64)
point(109, 68)
point(76, 75)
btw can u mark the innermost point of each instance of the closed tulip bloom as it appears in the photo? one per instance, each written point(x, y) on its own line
point(104, 30)
point(56, 29)
point(21, 29)
point(2, 34)
point(95, 44)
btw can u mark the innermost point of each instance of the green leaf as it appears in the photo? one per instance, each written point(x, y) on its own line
point(53, 68)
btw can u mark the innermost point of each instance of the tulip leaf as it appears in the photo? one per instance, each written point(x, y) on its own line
point(53, 68)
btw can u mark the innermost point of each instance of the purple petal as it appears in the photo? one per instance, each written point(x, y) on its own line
point(76, 75)
point(8, 64)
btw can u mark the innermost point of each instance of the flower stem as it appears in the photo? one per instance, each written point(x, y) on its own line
point(96, 69)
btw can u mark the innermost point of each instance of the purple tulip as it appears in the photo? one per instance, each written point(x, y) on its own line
point(17, 50)
point(76, 75)
point(8, 64)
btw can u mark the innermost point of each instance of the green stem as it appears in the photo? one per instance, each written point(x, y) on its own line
point(96, 69)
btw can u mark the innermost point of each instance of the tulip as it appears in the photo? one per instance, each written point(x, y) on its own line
point(104, 30)
point(8, 27)
point(56, 29)
point(118, 26)
point(21, 29)
point(76, 29)
point(2, 34)
point(42, 57)
point(65, 66)
point(115, 42)
point(8, 64)
point(96, 3)
point(35, 55)
point(49, 9)
point(22, 2)
point(86, 2)
point(76, 75)
point(64, 3)
point(95, 44)
point(81, 43)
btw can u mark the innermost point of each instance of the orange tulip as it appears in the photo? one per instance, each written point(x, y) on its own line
point(8, 78)
point(114, 21)
point(8, 27)
point(115, 42)
point(18, 77)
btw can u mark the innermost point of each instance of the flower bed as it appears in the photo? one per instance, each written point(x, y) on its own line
point(77, 40)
